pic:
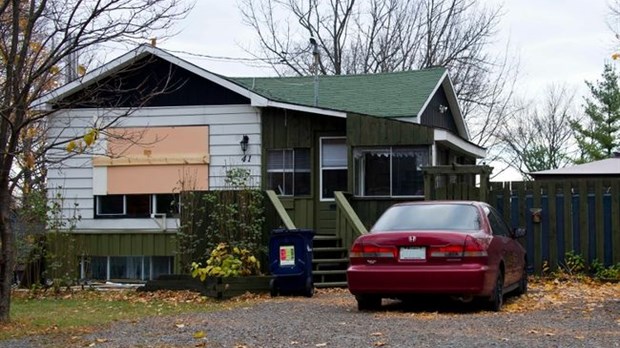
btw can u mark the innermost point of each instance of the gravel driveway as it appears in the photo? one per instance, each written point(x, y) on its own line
point(331, 319)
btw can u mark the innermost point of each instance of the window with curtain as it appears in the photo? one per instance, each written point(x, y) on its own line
point(333, 166)
point(288, 171)
point(390, 171)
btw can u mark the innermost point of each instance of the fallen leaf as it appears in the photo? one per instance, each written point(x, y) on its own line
point(376, 334)
point(179, 326)
point(199, 334)
point(294, 342)
point(580, 337)
point(549, 334)
point(101, 340)
point(379, 344)
point(533, 331)
point(92, 344)
point(321, 345)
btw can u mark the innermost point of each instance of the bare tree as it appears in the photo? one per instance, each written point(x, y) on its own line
point(372, 36)
point(37, 40)
point(540, 137)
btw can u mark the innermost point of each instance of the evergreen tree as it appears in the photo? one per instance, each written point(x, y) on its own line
point(598, 135)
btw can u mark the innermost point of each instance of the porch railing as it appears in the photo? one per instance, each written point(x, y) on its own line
point(277, 204)
point(348, 224)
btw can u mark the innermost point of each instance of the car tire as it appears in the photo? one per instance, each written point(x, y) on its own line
point(368, 302)
point(522, 288)
point(497, 297)
point(273, 290)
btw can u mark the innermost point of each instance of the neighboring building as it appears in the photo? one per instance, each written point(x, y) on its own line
point(365, 134)
point(604, 169)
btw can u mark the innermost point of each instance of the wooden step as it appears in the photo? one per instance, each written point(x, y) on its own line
point(326, 237)
point(329, 272)
point(331, 285)
point(324, 249)
point(341, 260)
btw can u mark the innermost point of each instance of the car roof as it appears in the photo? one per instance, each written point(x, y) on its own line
point(441, 202)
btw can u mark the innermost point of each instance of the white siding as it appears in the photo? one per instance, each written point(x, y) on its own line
point(73, 178)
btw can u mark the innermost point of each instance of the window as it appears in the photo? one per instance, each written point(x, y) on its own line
point(419, 217)
point(498, 225)
point(111, 205)
point(126, 267)
point(288, 171)
point(333, 166)
point(136, 206)
point(390, 171)
point(166, 204)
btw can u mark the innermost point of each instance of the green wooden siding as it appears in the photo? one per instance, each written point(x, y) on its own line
point(300, 210)
point(285, 129)
point(127, 244)
point(374, 131)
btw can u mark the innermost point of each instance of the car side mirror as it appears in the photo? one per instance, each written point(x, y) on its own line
point(519, 232)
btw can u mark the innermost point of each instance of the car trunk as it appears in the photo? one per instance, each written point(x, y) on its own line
point(419, 248)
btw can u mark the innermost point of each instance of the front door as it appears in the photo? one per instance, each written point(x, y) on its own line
point(332, 176)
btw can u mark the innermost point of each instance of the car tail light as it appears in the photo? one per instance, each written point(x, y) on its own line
point(474, 247)
point(370, 251)
point(470, 248)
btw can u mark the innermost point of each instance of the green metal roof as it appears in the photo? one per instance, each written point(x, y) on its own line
point(398, 94)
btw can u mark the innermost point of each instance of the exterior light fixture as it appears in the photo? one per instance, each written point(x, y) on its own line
point(244, 147)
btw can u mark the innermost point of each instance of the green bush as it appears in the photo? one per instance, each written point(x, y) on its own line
point(599, 271)
point(226, 261)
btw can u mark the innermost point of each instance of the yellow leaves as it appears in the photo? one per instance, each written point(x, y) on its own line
point(81, 70)
point(199, 335)
point(615, 56)
point(71, 146)
point(79, 145)
point(91, 136)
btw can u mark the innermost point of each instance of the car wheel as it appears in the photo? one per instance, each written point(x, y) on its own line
point(522, 288)
point(368, 302)
point(497, 298)
point(273, 290)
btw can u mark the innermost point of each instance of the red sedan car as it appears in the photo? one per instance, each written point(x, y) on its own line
point(458, 248)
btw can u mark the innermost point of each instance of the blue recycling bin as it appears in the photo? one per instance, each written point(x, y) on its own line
point(290, 262)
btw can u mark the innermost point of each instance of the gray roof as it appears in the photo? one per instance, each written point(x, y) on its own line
point(610, 166)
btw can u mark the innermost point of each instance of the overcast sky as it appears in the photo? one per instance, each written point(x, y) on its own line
point(556, 41)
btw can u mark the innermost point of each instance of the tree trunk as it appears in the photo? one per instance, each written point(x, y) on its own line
point(6, 255)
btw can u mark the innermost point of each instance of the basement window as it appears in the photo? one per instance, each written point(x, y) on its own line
point(125, 267)
point(390, 171)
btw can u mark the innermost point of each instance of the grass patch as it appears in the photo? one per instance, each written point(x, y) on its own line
point(81, 311)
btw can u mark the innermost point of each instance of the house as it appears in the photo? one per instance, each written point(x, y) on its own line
point(363, 134)
point(608, 168)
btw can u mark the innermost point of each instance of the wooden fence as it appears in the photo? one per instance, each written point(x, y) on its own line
point(560, 216)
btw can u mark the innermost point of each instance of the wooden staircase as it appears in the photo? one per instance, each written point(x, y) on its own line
point(329, 262)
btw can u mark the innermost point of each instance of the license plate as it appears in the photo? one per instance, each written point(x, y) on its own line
point(413, 253)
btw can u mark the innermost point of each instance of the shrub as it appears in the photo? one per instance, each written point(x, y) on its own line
point(227, 261)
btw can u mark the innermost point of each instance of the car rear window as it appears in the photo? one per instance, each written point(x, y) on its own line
point(453, 217)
